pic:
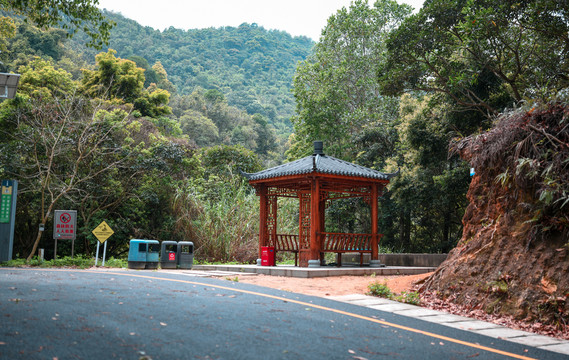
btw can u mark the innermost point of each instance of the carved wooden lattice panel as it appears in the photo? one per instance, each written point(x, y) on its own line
point(272, 220)
point(305, 207)
point(282, 191)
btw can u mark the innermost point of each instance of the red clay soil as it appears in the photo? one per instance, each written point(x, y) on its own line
point(512, 261)
point(333, 286)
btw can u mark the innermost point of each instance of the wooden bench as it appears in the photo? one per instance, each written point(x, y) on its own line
point(288, 242)
point(340, 243)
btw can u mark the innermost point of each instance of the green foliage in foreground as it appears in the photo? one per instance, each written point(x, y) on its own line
point(70, 15)
point(79, 261)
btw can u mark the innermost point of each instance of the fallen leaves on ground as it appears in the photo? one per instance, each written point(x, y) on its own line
point(431, 301)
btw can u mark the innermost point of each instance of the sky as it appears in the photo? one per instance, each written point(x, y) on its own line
point(297, 17)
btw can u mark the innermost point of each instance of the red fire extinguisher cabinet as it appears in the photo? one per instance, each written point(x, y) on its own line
point(267, 256)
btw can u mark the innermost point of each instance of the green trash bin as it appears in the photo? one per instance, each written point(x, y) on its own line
point(169, 255)
point(185, 254)
point(152, 255)
point(137, 253)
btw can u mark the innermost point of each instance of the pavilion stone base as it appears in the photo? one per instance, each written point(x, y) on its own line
point(375, 264)
point(313, 263)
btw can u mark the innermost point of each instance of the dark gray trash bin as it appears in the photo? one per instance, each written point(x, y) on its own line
point(185, 254)
point(168, 255)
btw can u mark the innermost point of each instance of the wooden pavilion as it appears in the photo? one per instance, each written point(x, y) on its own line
point(315, 180)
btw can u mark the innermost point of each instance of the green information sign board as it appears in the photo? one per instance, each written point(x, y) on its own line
point(5, 204)
point(8, 197)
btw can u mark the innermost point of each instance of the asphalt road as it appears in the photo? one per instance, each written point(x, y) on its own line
point(82, 314)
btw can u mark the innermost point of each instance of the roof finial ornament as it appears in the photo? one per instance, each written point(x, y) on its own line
point(318, 148)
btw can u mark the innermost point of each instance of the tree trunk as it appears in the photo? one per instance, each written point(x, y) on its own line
point(446, 230)
point(405, 230)
point(35, 247)
point(40, 232)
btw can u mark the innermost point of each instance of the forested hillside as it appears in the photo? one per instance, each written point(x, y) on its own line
point(251, 66)
point(115, 139)
point(226, 86)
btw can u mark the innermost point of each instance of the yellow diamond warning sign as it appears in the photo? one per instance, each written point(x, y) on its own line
point(103, 232)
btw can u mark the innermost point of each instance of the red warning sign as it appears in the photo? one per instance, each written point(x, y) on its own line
point(65, 224)
point(172, 256)
point(65, 218)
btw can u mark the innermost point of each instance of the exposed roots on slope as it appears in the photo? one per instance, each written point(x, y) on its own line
point(513, 255)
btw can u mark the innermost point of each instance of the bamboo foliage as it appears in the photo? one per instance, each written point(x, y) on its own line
point(222, 228)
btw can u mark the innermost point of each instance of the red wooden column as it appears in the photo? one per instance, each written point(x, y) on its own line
point(263, 207)
point(322, 230)
point(374, 237)
point(315, 223)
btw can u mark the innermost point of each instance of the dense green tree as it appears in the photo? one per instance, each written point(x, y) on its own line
point(336, 89)
point(216, 120)
point(482, 55)
point(223, 162)
point(120, 80)
point(41, 80)
point(70, 15)
point(7, 30)
point(153, 102)
point(150, 75)
point(199, 128)
point(114, 78)
point(266, 141)
point(28, 42)
point(162, 78)
point(426, 201)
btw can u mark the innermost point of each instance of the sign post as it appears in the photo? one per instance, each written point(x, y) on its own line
point(8, 195)
point(65, 228)
point(102, 233)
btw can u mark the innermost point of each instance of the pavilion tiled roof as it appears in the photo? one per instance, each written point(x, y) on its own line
point(321, 164)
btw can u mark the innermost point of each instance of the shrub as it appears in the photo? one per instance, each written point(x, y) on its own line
point(380, 290)
point(411, 297)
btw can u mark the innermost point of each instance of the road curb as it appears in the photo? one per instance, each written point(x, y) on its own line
point(458, 322)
